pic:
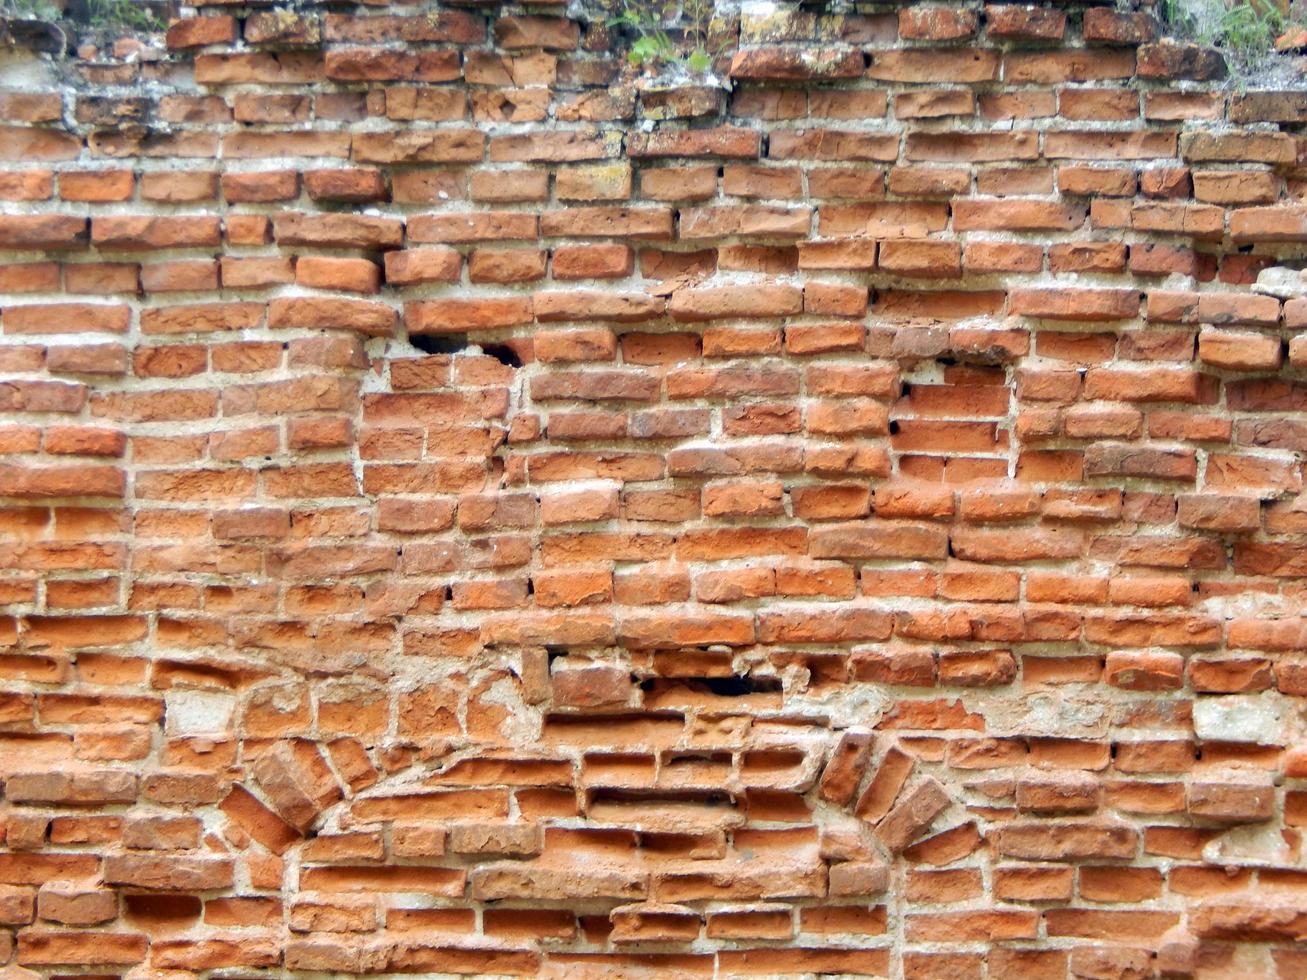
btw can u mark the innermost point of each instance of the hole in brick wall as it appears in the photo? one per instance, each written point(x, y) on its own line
point(162, 908)
point(440, 343)
point(502, 353)
point(458, 343)
point(893, 427)
point(735, 686)
point(624, 798)
point(692, 758)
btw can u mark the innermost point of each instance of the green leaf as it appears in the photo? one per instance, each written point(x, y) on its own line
point(643, 49)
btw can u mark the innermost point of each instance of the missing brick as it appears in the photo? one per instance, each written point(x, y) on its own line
point(440, 343)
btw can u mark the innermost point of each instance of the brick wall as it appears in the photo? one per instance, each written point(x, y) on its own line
point(467, 506)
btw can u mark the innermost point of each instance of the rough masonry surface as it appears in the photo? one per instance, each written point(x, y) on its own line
point(469, 506)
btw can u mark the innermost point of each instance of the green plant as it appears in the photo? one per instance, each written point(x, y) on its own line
point(1243, 30)
point(122, 13)
point(668, 34)
point(29, 10)
point(1250, 29)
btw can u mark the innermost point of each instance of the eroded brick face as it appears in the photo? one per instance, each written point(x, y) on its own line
point(467, 507)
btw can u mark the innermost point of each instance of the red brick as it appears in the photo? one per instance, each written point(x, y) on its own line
point(1024, 23)
point(683, 579)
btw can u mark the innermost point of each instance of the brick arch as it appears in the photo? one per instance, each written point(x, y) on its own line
point(654, 861)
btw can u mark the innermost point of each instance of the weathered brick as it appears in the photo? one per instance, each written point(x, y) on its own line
point(640, 567)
